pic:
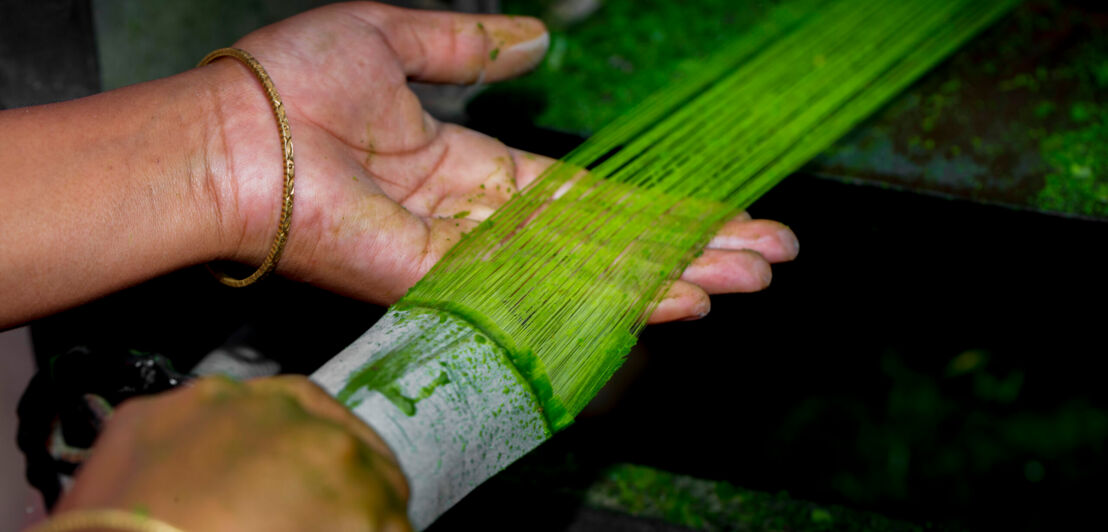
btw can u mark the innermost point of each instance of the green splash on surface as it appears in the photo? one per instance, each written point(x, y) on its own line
point(716, 505)
point(450, 331)
point(406, 404)
point(397, 398)
point(1078, 161)
point(527, 366)
point(597, 69)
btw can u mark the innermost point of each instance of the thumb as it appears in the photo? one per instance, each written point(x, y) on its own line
point(443, 47)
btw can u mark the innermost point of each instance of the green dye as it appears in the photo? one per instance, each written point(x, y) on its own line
point(426, 391)
point(598, 69)
point(407, 405)
point(1078, 160)
point(397, 398)
point(564, 275)
point(699, 504)
point(529, 368)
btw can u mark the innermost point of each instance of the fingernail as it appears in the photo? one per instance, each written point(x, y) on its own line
point(524, 36)
point(765, 274)
point(700, 311)
point(520, 30)
point(534, 48)
point(790, 242)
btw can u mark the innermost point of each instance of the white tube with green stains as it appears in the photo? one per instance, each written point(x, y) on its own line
point(445, 398)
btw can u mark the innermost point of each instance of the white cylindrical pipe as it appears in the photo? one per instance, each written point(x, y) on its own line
point(446, 399)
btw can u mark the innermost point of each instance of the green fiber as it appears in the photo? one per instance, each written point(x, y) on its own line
point(565, 274)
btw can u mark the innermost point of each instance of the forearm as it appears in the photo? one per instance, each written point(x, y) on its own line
point(104, 192)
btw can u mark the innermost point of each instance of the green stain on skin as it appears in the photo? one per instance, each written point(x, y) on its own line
point(494, 53)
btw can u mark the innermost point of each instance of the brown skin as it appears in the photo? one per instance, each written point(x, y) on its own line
point(105, 192)
point(271, 454)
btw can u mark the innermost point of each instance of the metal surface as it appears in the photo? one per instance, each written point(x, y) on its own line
point(1018, 117)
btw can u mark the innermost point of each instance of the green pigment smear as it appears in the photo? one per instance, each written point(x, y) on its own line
point(567, 272)
point(406, 404)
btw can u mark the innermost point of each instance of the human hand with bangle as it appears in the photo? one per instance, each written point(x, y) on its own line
point(386, 189)
point(269, 454)
point(107, 191)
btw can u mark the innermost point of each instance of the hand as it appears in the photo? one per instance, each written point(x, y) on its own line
point(270, 454)
point(379, 181)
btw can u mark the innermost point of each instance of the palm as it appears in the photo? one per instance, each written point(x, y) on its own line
point(383, 189)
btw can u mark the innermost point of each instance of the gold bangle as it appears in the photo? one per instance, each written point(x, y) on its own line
point(103, 518)
point(278, 246)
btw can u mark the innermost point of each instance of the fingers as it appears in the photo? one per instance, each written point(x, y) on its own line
point(737, 259)
point(683, 301)
point(529, 166)
point(775, 241)
point(319, 403)
point(724, 272)
point(458, 48)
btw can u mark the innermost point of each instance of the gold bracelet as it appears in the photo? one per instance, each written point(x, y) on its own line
point(103, 518)
point(278, 246)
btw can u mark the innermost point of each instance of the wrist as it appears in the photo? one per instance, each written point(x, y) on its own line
point(244, 160)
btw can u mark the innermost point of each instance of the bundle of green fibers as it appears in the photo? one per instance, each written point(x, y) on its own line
point(521, 323)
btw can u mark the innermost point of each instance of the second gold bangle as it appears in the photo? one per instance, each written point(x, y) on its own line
point(278, 247)
point(103, 518)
